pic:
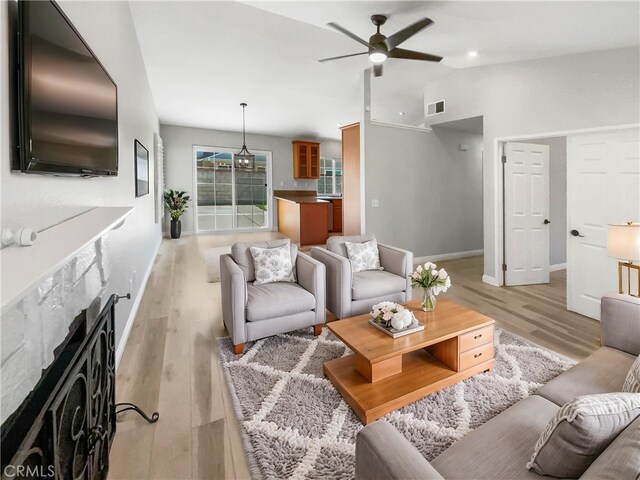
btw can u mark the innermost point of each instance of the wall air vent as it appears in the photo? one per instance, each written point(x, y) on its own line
point(435, 108)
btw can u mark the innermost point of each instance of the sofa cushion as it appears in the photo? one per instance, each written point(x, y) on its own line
point(242, 255)
point(580, 431)
point(336, 244)
point(363, 256)
point(375, 283)
point(501, 447)
point(277, 300)
point(602, 372)
point(272, 265)
point(632, 382)
point(621, 459)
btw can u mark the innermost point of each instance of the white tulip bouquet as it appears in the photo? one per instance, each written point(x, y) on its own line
point(433, 281)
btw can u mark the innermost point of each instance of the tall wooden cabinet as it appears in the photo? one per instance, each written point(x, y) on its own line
point(351, 218)
point(306, 160)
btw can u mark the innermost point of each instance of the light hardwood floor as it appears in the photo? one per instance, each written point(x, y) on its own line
point(170, 363)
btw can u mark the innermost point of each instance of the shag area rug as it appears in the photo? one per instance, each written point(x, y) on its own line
point(295, 424)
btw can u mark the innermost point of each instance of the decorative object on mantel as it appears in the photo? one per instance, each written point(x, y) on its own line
point(623, 243)
point(432, 281)
point(142, 169)
point(23, 237)
point(176, 201)
point(243, 159)
point(394, 320)
point(280, 380)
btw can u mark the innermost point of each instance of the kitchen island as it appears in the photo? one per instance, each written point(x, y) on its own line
point(303, 217)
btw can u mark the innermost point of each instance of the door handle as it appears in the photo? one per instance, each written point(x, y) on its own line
point(546, 221)
point(575, 233)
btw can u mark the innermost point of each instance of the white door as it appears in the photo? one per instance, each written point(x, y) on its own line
point(603, 187)
point(526, 213)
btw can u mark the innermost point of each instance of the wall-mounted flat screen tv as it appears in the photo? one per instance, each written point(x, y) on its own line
point(68, 103)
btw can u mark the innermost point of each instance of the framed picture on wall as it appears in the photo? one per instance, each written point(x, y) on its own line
point(142, 169)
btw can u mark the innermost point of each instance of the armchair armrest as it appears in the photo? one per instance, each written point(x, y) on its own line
point(399, 262)
point(383, 453)
point(620, 322)
point(234, 299)
point(338, 274)
point(311, 277)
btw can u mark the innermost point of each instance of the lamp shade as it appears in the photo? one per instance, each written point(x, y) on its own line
point(623, 242)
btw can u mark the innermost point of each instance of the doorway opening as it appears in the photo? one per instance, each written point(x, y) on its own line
point(230, 198)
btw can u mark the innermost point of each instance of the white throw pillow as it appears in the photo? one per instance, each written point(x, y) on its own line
point(272, 265)
point(632, 382)
point(363, 256)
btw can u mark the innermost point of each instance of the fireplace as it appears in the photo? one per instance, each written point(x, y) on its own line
point(65, 426)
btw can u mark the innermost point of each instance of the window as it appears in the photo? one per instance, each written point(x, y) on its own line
point(330, 182)
point(230, 198)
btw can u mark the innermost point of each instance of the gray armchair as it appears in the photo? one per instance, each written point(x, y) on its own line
point(251, 312)
point(350, 294)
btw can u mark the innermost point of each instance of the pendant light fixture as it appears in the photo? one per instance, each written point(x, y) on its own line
point(243, 159)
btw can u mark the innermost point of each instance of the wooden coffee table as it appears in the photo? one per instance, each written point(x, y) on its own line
point(384, 373)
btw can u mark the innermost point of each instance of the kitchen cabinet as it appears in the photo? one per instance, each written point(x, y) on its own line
point(306, 160)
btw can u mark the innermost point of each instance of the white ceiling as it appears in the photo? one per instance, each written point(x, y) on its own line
point(204, 58)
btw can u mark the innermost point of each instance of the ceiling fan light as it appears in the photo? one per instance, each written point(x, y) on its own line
point(377, 57)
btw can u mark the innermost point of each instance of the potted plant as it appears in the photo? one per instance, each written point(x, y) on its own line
point(176, 202)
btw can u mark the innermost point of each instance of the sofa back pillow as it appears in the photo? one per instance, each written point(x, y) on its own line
point(363, 256)
point(632, 382)
point(580, 431)
point(337, 244)
point(273, 265)
point(242, 256)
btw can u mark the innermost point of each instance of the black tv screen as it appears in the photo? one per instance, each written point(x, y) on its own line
point(68, 103)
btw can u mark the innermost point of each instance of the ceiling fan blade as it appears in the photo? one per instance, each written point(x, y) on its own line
point(349, 34)
point(377, 70)
point(341, 56)
point(397, 38)
point(411, 55)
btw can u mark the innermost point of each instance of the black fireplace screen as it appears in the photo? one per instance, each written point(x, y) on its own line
point(65, 427)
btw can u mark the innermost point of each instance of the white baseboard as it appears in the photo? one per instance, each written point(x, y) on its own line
point(491, 280)
point(134, 309)
point(557, 266)
point(448, 256)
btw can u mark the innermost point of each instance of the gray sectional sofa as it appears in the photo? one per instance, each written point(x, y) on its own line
point(500, 448)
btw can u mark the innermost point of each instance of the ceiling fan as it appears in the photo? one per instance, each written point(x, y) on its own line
point(382, 47)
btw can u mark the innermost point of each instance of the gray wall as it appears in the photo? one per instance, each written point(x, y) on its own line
point(540, 96)
point(42, 201)
point(179, 162)
point(429, 192)
point(557, 197)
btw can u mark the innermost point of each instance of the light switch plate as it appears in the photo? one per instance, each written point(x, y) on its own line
point(374, 203)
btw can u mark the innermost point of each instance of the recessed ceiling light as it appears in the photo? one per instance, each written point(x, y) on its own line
point(472, 53)
point(402, 113)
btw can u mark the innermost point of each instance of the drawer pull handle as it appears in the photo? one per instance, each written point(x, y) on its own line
point(477, 355)
point(477, 337)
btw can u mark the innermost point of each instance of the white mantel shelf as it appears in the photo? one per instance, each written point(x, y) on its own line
point(24, 267)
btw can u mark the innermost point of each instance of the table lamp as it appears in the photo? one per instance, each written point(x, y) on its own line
point(623, 243)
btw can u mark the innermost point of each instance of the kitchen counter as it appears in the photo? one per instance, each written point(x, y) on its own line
point(302, 216)
point(301, 199)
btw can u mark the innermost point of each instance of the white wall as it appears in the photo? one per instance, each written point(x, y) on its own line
point(557, 197)
point(179, 161)
point(429, 192)
point(42, 201)
point(540, 96)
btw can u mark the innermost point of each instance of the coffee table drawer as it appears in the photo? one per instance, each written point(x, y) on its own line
point(476, 338)
point(476, 356)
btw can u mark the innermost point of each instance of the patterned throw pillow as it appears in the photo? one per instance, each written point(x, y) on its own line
point(272, 265)
point(580, 431)
point(632, 382)
point(363, 256)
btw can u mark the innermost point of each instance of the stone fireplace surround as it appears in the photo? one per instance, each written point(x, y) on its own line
point(35, 324)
